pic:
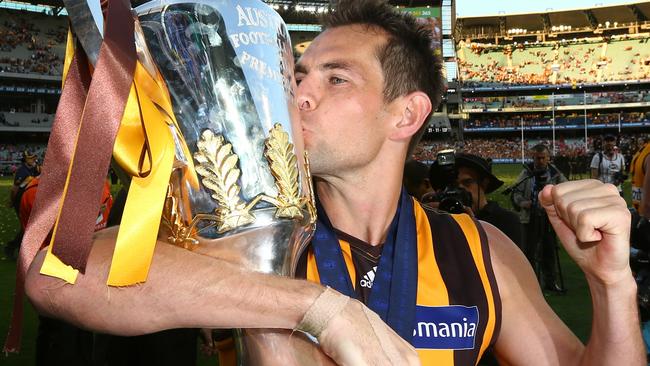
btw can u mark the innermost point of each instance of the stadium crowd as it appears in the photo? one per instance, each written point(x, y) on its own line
point(562, 119)
point(509, 149)
point(547, 101)
point(33, 44)
point(577, 61)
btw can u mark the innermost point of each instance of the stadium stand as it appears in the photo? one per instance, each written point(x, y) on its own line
point(563, 78)
point(577, 61)
point(31, 43)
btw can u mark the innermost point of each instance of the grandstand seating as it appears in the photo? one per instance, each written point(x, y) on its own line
point(546, 102)
point(32, 43)
point(579, 61)
point(508, 149)
point(26, 121)
point(561, 119)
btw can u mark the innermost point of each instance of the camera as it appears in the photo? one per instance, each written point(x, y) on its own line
point(542, 179)
point(619, 177)
point(443, 176)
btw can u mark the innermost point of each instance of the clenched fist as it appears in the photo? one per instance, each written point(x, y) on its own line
point(593, 223)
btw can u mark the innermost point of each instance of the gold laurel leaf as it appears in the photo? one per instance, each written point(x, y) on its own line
point(279, 153)
point(217, 165)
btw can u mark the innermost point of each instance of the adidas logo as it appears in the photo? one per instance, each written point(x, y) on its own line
point(368, 278)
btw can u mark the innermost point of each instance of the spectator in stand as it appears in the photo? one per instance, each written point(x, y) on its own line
point(608, 165)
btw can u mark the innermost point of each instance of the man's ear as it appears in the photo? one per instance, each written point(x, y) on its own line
point(416, 107)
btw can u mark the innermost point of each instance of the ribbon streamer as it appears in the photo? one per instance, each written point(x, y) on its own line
point(109, 89)
point(124, 110)
point(76, 79)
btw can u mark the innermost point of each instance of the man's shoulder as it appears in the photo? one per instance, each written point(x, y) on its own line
point(595, 160)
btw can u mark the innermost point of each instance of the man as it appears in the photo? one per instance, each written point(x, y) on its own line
point(28, 170)
point(640, 180)
point(475, 176)
point(540, 238)
point(608, 165)
point(416, 179)
point(358, 77)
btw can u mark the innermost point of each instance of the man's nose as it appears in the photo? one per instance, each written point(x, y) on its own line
point(306, 95)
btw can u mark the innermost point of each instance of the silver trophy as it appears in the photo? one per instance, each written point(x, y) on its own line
point(229, 69)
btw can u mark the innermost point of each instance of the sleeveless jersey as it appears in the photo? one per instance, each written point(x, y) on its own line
point(638, 175)
point(458, 312)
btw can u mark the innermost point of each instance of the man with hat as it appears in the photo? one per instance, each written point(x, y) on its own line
point(28, 169)
point(475, 176)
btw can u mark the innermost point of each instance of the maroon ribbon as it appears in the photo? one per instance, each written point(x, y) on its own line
point(60, 148)
point(101, 119)
point(91, 111)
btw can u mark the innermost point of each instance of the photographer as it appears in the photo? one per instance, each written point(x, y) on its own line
point(472, 175)
point(608, 166)
point(540, 238)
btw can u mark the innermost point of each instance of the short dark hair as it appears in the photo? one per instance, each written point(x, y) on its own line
point(540, 148)
point(407, 59)
point(609, 138)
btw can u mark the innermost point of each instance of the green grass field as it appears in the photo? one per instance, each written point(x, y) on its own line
point(574, 307)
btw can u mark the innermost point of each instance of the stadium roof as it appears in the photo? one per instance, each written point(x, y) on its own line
point(585, 19)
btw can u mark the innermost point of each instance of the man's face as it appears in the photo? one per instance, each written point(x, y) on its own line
point(609, 146)
point(541, 159)
point(340, 99)
point(469, 180)
point(30, 162)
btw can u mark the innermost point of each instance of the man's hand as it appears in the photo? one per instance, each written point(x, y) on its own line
point(357, 337)
point(593, 223)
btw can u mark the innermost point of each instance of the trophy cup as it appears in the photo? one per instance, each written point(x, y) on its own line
point(229, 70)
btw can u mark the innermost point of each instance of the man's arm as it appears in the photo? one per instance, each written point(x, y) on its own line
point(590, 219)
point(594, 173)
point(189, 290)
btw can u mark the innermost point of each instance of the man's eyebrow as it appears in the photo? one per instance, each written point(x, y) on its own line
point(331, 65)
point(336, 65)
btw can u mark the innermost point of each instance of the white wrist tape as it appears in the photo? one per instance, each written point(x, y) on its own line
point(329, 303)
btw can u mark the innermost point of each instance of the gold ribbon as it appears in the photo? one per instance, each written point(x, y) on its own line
point(145, 149)
point(52, 266)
